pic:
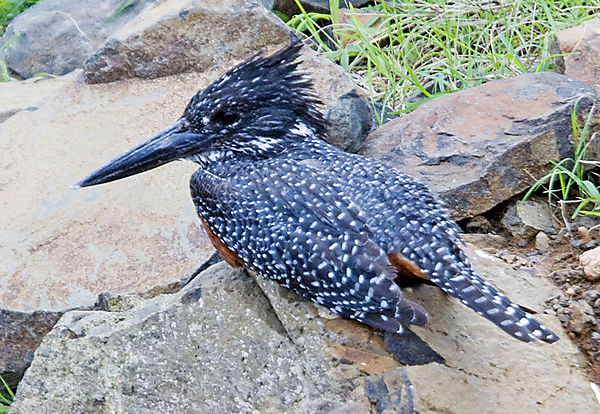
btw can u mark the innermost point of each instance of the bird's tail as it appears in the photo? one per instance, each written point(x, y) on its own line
point(484, 299)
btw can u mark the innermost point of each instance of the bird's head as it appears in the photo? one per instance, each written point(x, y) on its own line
point(254, 110)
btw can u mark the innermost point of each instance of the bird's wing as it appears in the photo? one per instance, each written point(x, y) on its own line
point(290, 223)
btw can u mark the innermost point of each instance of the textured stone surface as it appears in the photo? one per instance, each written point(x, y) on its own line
point(580, 52)
point(60, 248)
point(57, 36)
point(23, 96)
point(223, 344)
point(590, 262)
point(216, 346)
point(178, 36)
point(481, 146)
point(20, 335)
point(525, 219)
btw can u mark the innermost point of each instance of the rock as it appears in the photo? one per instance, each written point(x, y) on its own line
point(591, 295)
point(68, 246)
point(579, 49)
point(525, 219)
point(57, 36)
point(542, 241)
point(590, 262)
point(274, 353)
point(479, 224)
point(350, 121)
point(20, 335)
point(23, 96)
point(60, 248)
point(177, 36)
point(479, 147)
point(491, 243)
point(582, 316)
point(201, 355)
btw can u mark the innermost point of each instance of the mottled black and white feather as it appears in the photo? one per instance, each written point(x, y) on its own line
point(320, 221)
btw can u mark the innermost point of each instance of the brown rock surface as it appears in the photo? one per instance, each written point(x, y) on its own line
point(176, 36)
point(481, 146)
point(20, 335)
point(581, 48)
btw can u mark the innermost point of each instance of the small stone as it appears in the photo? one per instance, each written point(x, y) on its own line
point(591, 296)
point(590, 262)
point(542, 241)
point(571, 291)
point(479, 224)
point(577, 244)
point(590, 245)
point(596, 335)
point(597, 303)
point(583, 233)
point(582, 316)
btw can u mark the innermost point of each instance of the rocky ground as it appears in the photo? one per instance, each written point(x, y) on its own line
point(554, 252)
point(91, 295)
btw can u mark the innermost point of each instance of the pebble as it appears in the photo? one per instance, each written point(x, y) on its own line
point(590, 262)
point(571, 291)
point(542, 241)
point(591, 296)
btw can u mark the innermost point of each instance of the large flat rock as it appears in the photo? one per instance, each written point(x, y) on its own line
point(481, 146)
point(176, 36)
point(60, 248)
point(224, 344)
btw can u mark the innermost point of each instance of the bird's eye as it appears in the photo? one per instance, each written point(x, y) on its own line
point(224, 117)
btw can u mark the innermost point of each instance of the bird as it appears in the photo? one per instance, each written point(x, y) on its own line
point(336, 228)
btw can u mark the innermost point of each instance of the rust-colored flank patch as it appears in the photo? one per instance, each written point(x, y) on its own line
point(407, 269)
point(230, 257)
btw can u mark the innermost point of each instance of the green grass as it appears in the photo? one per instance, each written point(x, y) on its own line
point(572, 183)
point(4, 72)
point(10, 8)
point(405, 52)
point(6, 397)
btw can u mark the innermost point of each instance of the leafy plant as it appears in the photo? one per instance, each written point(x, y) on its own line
point(407, 51)
point(125, 4)
point(572, 181)
point(6, 397)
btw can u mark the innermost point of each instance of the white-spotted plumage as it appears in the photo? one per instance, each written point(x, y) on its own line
point(334, 227)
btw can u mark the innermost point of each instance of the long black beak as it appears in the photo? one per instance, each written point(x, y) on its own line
point(171, 144)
